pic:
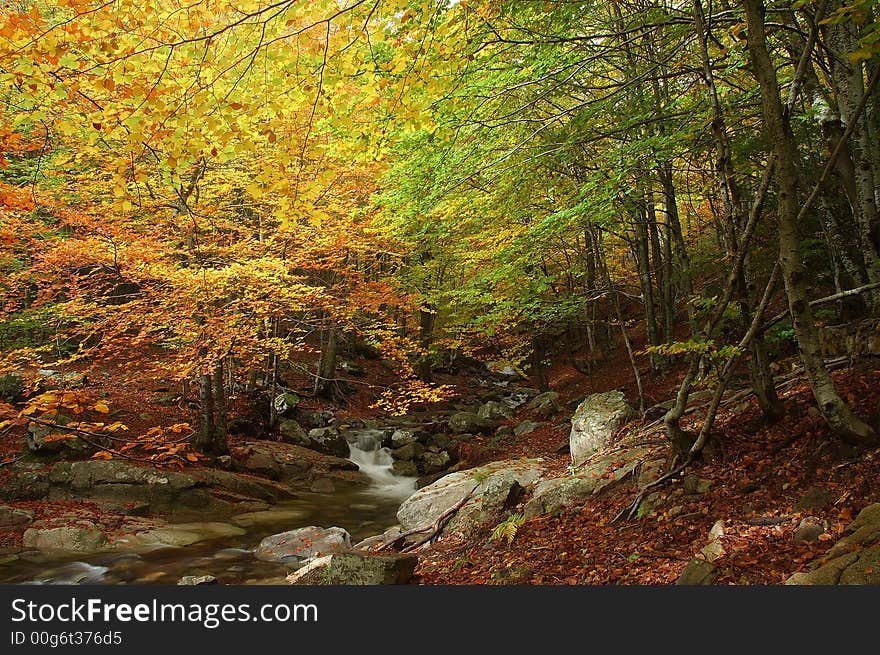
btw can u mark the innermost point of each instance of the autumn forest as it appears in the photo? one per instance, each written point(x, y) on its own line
point(459, 291)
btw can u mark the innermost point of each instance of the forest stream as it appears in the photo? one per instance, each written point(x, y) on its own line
point(362, 512)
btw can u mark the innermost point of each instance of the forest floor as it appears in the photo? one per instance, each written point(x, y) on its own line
point(756, 470)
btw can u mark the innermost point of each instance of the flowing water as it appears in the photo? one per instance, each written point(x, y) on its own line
point(363, 512)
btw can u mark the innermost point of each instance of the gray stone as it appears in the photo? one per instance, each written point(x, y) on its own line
point(46, 439)
point(809, 529)
point(293, 432)
point(267, 517)
point(597, 476)
point(285, 403)
point(494, 411)
point(425, 505)
point(434, 462)
point(389, 536)
point(322, 486)
point(356, 569)
point(303, 544)
point(504, 432)
point(84, 538)
point(11, 387)
point(328, 441)
point(54, 379)
point(526, 427)
point(545, 405)
point(466, 422)
point(854, 559)
point(698, 572)
point(595, 421)
point(405, 468)
point(409, 451)
point(440, 441)
point(400, 438)
point(696, 485)
point(11, 517)
point(197, 580)
point(182, 534)
point(25, 485)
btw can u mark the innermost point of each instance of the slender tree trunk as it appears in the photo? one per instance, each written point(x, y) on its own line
point(838, 415)
point(219, 445)
point(327, 366)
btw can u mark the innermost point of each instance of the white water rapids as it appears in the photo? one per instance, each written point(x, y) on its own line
point(375, 461)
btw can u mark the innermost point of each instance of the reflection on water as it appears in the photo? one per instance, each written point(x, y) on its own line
point(363, 513)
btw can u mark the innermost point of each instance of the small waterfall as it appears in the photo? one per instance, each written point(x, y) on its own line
point(365, 450)
point(73, 573)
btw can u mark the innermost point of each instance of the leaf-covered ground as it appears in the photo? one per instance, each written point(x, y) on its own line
point(757, 471)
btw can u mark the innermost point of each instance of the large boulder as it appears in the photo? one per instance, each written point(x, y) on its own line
point(595, 421)
point(467, 423)
point(303, 544)
point(356, 569)
point(853, 560)
point(545, 405)
point(428, 503)
point(294, 465)
point(598, 475)
point(11, 387)
point(12, 516)
point(494, 411)
point(285, 403)
point(292, 432)
point(45, 439)
point(83, 538)
point(328, 441)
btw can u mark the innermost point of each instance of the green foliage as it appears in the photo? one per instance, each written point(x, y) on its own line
point(507, 529)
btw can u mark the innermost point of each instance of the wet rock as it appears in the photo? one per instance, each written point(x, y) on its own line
point(328, 441)
point(11, 517)
point(595, 421)
point(197, 580)
point(83, 538)
point(322, 486)
point(356, 569)
point(181, 534)
point(405, 468)
point(266, 517)
point(698, 572)
point(545, 405)
point(303, 544)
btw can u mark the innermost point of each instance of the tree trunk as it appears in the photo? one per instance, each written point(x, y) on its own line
point(219, 445)
point(327, 366)
point(838, 415)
